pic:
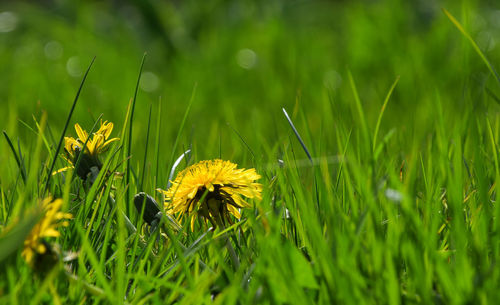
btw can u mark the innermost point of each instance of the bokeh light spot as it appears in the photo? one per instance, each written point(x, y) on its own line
point(332, 80)
point(8, 22)
point(149, 81)
point(246, 58)
point(53, 50)
point(74, 66)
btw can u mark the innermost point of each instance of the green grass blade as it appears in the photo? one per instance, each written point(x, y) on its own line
point(141, 185)
point(242, 140)
point(130, 121)
point(359, 107)
point(157, 146)
point(22, 170)
point(473, 43)
point(379, 120)
point(183, 122)
point(493, 147)
point(68, 119)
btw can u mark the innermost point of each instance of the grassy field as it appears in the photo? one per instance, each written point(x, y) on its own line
point(374, 126)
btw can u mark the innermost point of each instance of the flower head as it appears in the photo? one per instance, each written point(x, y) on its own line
point(51, 219)
point(98, 144)
point(213, 190)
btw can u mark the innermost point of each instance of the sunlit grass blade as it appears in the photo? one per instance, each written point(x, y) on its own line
point(45, 140)
point(474, 45)
point(359, 106)
point(187, 155)
point(379, 120)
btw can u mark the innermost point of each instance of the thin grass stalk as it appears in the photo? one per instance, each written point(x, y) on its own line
point(181, 127)
point(141, 185)
point(22, 170)
point(68, 119)
point(157, 146)
point(129, 144)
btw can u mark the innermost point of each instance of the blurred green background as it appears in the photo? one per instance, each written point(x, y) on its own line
point(248, 59)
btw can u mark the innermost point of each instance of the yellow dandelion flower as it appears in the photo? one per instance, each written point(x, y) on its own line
point(213, 190)
point(98, 144)
point(51, 219)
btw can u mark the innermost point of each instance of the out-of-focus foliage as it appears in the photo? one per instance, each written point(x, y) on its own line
point(248, 58)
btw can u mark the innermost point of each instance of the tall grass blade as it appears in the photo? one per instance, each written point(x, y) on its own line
point(186, 154)
point(379, 120)
point(359, 107)
point(473, 43)
point(297, 134)
point(68, 119)
point(181, 127)
point(47, 144)
point(493, 148)
point(21, 158)
point(22, 170)
point(492, 95)
point(242, 140)
point(141, 185)
point(157, 145)
point(131, 120)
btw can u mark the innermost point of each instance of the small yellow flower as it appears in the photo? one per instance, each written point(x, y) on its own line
point(51, 219)
point(98, 144)
point(212, 189)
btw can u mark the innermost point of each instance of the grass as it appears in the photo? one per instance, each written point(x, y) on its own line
point(380, 176)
